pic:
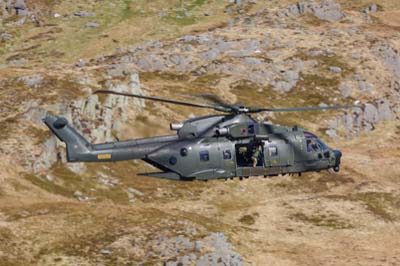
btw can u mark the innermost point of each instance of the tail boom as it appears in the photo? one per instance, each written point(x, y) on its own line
point(80, 150)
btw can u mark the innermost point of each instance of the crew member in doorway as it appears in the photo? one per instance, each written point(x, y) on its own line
point(256, 154)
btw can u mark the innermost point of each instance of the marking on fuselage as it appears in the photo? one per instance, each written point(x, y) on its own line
point(104, 156)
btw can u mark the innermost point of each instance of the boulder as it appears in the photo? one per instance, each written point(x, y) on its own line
point(331, 133)
point(365, 87)
point(84, 14)
point(390, 58)
point(371, 113)
point(345, 89)
point(370, 9)
point(251, 61)
point(92, 25)
point(18, 61)
point(6, 36)
point(20, 4)
point(335, 69)
point(384, 110)
point(80, 63)
point(32, 81)
point(210, 55)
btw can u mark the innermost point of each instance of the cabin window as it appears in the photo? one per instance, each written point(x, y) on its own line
point(204, 156)
point(173, 160)
point(227, 154)
point(273, 151)
point(184, 152)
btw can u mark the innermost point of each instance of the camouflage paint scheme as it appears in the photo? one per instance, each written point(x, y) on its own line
point(209, 147)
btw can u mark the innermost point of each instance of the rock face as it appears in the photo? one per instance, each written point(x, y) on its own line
point(11, 7)
point(98, 121)
point(390, 58)
point(208, 53)
point(211, 250)
point(86, 113)
point(32, 81)
point(327, 10)
point(362, 120)
point(47, 157)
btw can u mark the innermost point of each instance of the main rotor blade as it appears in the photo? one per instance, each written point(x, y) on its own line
point(295, 109)
point(159, 99)
point(213, 98)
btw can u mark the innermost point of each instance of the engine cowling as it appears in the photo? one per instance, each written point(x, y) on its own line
point(222, 131)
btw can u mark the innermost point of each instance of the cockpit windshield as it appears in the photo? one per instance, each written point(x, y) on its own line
point(322, 144)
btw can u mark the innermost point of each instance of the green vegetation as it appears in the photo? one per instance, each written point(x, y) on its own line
point(331, 221)
point(379, 203)
point(248, 219)
point(39, 134)
point(311, 90)
point(314, 183)
point(182, 13)
point(357, 5)
point(312, 20)
point(326, 61)
point(207, 80)
point(67, 39)
point(48, 186)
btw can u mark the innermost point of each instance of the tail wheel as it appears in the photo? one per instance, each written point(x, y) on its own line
point(336, 168)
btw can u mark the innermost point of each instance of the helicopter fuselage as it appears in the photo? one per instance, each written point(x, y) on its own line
point(210, 147)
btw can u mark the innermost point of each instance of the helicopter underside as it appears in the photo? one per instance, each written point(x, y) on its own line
point(246, 171)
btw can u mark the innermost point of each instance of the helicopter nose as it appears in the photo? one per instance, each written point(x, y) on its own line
point(338, 156)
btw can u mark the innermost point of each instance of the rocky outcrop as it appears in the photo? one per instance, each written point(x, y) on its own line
point(361, 119)
point(17, 7)
point(327, 10)
point(97, 120)
point(188, 248)
point(390, 58)
point(24, 11)
point(207, 53)
point(370, 9)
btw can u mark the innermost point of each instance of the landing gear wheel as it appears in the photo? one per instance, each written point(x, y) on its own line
point(336, 168)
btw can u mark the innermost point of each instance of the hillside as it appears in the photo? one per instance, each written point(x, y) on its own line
point(54, 54)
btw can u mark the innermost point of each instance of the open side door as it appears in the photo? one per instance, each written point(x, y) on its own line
point(244, 163)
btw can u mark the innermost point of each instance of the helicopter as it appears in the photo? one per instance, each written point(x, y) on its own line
point(220, 146)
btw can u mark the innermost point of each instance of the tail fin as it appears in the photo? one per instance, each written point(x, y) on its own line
point(77, 146)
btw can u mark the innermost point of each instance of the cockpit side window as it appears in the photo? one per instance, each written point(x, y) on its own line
point(312, 145)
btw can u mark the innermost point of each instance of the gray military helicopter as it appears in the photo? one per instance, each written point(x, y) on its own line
point(211, 147)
